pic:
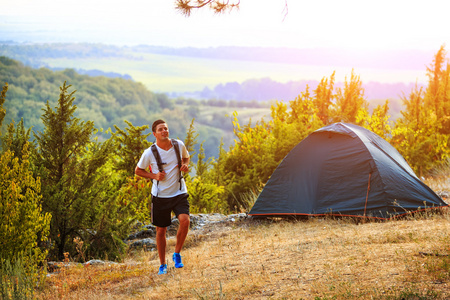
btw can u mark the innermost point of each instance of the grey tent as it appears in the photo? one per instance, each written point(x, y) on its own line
point(344, 169)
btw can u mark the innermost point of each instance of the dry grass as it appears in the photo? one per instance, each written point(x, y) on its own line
point(318, 258)
point(282, 259)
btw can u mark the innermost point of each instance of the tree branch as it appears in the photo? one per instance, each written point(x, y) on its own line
point(218, 6)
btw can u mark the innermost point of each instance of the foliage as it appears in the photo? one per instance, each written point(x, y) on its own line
point(16, 138)
point(22, 222)
point(15, 280)
point(70, 164)
point(107, 222)
point(202, 165)
point(205, 195)
point(132, 199)
point(323, 98)
point(191, 140)
point(378, 122)
point(23, 225)
point(350, 101)
point(106, 100)
point(422, 134)
point(129, 147)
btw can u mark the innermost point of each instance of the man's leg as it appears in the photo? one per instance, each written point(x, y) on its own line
point(182, 231)
point(161, 243)
point(181, 237)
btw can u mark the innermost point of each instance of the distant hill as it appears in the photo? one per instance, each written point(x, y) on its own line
point(378, 59)
point(266, 89)
point(233, 73)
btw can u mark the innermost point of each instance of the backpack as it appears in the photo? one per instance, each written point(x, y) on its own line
point(160, 163)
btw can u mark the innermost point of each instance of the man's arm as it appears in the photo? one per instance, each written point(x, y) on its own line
point(185, 164)
point(149, 175)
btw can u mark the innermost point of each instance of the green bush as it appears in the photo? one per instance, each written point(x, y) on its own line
point(17, 279)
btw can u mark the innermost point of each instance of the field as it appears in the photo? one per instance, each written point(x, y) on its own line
point(317, 258)
point(169, 73)
point(209, 113)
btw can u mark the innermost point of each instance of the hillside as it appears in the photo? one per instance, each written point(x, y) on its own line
point(205, 73)
point(108, 101)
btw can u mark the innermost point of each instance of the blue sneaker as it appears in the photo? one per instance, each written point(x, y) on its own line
point(177, 260)
point(162, 270)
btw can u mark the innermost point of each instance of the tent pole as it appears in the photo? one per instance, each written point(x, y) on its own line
point(367, 195)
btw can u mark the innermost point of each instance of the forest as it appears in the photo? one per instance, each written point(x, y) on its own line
point(65, 180)
point(109, 101)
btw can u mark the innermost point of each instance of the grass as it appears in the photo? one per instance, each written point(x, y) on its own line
point(281, 259)
point(317, 258)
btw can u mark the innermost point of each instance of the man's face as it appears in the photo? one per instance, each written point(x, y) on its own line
point(161, 132)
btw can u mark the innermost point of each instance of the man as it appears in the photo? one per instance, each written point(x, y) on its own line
point(169, 192)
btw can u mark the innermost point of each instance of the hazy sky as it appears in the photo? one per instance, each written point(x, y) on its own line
point(382, 24)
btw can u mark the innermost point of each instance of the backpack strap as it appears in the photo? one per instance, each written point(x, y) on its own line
point(160, 164)
point(176, 147)
point(157, 157)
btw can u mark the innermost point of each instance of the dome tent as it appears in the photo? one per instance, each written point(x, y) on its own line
point(346, 170)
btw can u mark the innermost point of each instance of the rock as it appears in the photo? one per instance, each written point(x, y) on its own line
point(236, 217)
point(146, 233)
point(443, 194)
point(143, 238)
point(93, 262)
point(143, 243)
point(55, 266)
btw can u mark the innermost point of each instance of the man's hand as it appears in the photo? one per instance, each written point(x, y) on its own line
point(184, 168)
point(160, 176)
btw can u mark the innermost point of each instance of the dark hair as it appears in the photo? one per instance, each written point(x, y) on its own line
point(156, 123)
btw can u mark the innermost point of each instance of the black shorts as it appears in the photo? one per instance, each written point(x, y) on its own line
point(163, 207)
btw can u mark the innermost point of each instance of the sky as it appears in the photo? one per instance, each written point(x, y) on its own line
point(344, 24)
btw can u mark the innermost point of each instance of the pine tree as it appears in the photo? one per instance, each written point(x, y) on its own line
point(378, 122)
point(22, 222)
point(205, 193)
point(129, 146)
point(350, 101)
point(134, 192)
point(23, 225)
point(422, 134)
point(437, 94)
point(191, 140)
point(202, 165)
point(16, 138)
point(69, 165)
point(323, 99)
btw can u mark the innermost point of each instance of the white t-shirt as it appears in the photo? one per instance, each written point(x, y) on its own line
point(170, 186)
